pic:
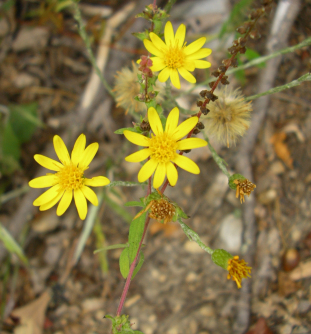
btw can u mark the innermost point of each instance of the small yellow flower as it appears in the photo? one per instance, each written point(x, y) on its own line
point(238, 270)
point(173, 57)
point(69, 177)
point(162, 146)
point(229, 116)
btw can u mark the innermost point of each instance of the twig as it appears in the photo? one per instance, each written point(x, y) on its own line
point(286, 13)
point(297, 82)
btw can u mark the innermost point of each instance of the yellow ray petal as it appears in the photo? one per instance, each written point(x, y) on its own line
point(80, 203)
point(157, 41)
point(191, 143)
point(64, 202)
point(138, 156)
point(159, 176)
point(78, 149)
point(187, 75)
point(153, 49)
point(172, 174)
point(154, 121)
point(147, 170)
point(47, 196)
point(202, 64)
point(174, 78)
point(90, 195)
point(157, 64)
point(169, 34)
point(88, 155)
point(189, 66)
point(185, 127)
point(194, 46)
point(97, 181)
point(48, 162)
point(172, 121)
point(186, 164)
point(44, 181)
point(136, 138)
point(180, 36)
point(51, 203)
point(164, 74)
point(202, 53)
point(61, 150)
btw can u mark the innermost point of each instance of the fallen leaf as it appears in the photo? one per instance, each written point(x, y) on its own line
point(169, 229)
point(302, 271)
point(32, 316)
point(260, 327)
point(281, 149)
point(286, 285)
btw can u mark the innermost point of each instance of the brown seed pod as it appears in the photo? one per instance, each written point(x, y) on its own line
point(291, 259)
point(204, 110)
point(216, 73)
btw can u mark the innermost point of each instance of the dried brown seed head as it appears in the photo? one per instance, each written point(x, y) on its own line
point(243, 187)
point(162, 209)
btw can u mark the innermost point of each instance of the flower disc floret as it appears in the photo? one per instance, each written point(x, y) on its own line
point(68, 182)
point(237, 270)
point(162, 146)
point(173, 57)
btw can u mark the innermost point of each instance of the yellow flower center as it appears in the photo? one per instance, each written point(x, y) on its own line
point(163, 148)
point(174, 57)
point(71, 177)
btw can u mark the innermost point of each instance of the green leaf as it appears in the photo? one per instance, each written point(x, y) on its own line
point(121, 131)
point(125, 184)
point(10, 143)
point(133, 203)
point(140, 263)
point(124, 263)
point(141, 35)
point(234, 177)
point(135, 235)
point(11, 245)
point(7, 5)
point(24, 120)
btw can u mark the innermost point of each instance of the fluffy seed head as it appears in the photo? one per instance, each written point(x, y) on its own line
point(229, 116)
point(127, 88)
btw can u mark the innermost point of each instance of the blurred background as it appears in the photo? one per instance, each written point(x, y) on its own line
point(50, 280)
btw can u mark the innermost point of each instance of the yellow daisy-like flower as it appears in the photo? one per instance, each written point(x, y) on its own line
point(69, 180)
point(237, 270)
point(161, 148)
point(173, 57)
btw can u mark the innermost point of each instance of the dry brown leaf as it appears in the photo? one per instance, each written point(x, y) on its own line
point(169, 229)
point(302, 271)
point(281, 148)
point(286, 285)
point(260, 327)
point(31, 317)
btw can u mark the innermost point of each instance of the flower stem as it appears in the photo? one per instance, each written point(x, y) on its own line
point(132, 267)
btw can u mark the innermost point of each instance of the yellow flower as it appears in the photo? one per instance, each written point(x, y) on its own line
point(173, 56)
point(238, 270)
point(162, 146)
point(69, 177)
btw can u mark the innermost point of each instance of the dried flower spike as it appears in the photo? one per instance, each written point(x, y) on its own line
point(243, 187)
point(237, 270)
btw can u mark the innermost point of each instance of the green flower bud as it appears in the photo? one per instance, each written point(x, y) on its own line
point(221, 258)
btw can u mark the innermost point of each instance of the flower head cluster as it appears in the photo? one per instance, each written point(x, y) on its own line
point(237, 270)
point(160, 149)
point(243, 187)
point(69, 180)
point(229, 116)
point(173, 57)
point(162, 209)
point(127, 88)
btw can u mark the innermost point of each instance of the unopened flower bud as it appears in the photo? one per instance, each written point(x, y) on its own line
point(199, 103)
point(216, 73)
point(204, 110)
point(211, 84)
point(203, 93)
point(200, 126)
point(222, 68)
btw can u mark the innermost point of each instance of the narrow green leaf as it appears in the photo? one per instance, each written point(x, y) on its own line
point(135, 235)
point(10, 144)
point(121, 131)
point(133, 203)
point(124, 263)
point(11, 245)
point(125, 184)
point(139, 265)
